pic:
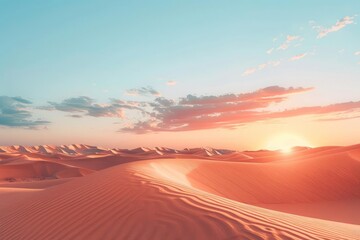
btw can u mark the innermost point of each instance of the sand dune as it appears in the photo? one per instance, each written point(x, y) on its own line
point(162, 193)
point(38, 170)
point(278, 185)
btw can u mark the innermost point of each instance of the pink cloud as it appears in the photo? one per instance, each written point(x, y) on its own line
point(231, 110)
point(289, 38)
point(264, 93)
point(249, 71)
point(337, 118)
point(298, 57)
point(260, 67)
point(171, 83)
point(205, 112)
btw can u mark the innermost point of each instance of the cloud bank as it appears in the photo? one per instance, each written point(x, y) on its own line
point(14, 112)
point(227, 111)
point(87, 106)
point(183, 114)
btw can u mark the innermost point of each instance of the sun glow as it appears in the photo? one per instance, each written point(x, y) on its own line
point(286, 142)
point(286, 150)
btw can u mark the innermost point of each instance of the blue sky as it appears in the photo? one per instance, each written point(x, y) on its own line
point(56, 50)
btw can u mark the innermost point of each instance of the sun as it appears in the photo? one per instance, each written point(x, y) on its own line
point(285, 142)
point(286, 150)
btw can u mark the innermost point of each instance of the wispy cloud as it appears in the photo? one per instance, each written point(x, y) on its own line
point(357, 53)
point(264, 93)
point(260, 67)
point(171, 83)
point(289, 39)
point(14, 112)
point(298, 57)
point(249, 71)
point(340, 24)
point(338, 118)
point(270, 51)
point(143, 91)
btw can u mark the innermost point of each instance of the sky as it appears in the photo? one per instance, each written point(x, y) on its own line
point(225, 74)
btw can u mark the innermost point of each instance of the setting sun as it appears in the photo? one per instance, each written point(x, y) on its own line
point(285, 142)
point(286, 150)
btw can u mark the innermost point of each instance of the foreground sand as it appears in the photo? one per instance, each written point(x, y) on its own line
point(83, 192)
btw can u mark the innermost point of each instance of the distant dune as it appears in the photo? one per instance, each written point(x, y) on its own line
point(86, 192)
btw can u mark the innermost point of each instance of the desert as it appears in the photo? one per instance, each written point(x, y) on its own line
point(179, 120)
point(86, 192)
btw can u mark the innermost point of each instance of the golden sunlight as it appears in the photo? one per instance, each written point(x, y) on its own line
point(285, 142)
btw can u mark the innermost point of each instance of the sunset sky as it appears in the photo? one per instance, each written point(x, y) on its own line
point(227, 74)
